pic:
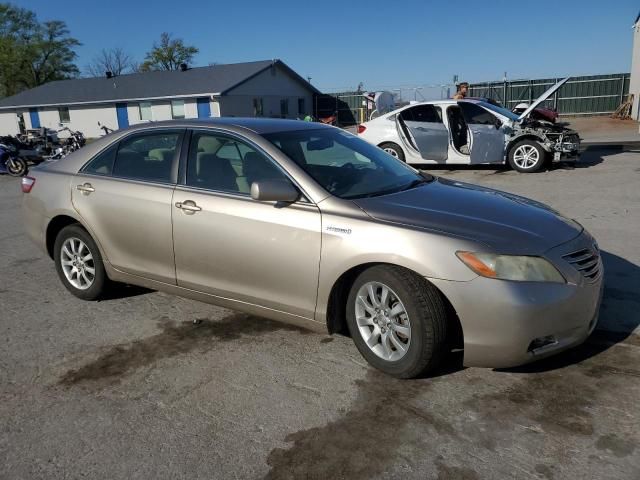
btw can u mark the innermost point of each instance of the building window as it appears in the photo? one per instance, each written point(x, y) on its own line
point(284, 107)
point(63, 113)
point(177, 109)
point(145, 111)
point(258, 107)
point(301, 109)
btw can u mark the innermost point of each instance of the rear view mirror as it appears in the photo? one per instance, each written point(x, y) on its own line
point(274, 190)
point(319, 144)
point(497, 124)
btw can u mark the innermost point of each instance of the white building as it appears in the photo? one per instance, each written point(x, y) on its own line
point(266, 88)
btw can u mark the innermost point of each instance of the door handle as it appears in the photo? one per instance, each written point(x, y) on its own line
point(85, 188)
point(188, 206)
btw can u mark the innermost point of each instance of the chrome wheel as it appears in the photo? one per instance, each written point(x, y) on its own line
point(526, 156)
point(77, 263)
point(391, 151)
point(382, 321)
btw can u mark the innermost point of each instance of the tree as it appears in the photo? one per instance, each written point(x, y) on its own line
point(33, 53)
point(168, 54)
point(114, 60)
point(52, 54)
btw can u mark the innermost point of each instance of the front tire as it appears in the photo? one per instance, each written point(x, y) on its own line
point(79, 263)
point(527, 156)
point(393, 149)
point(16, 167)
point(398, 321)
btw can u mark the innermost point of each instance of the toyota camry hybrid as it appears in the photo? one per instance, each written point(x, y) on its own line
point(306, 223)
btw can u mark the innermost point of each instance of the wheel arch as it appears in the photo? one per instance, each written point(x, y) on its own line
point(526, 136)
point(337, 303)
point(55, 225)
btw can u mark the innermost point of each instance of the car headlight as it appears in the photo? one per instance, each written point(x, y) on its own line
point(511, 267)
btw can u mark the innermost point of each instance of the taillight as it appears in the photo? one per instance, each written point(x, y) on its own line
point(361, 129)
point(27, 184)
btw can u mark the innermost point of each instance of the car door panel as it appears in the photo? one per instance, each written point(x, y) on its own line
point(423, 125)
point(132, 221)
point(432, 139)
point(256, 252)
point(487, 144)
point(124, 196)
point(487, 136)
point(232, 246)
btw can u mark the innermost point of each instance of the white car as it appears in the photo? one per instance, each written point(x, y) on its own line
point(471, 131)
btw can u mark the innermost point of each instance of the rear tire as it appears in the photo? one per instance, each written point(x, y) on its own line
point(79, 263)
point(527, 156)
point(406, 313)
point(393, 149)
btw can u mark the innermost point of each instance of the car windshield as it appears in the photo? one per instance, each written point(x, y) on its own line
point(501, 110)
point(345, 165)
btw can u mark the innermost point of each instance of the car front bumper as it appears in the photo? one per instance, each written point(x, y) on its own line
point(506, 324)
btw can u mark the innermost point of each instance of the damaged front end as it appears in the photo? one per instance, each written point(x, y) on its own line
point(559, 141)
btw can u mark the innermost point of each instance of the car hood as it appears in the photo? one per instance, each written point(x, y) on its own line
point(508, 223)
point(542, 98)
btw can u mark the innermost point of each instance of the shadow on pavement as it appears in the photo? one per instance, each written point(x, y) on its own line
point(619, 317)
point(121, 290)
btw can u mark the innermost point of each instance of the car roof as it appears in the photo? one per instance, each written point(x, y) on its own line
point(447, 101)
point(256, 125)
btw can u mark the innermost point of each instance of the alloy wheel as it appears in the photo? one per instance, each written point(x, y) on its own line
point(382, 321)
point(391, 151)
point(526, 156)
point(77, 263)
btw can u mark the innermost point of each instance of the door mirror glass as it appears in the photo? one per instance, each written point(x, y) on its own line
point(274, 190)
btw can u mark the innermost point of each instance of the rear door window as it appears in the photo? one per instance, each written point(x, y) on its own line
point(422, 113)
point(147, 156)
point(102, 164)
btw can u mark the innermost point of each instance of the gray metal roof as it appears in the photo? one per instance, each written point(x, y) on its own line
point(216, 79)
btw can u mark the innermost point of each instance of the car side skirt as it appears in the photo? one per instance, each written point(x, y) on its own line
point(245, 307)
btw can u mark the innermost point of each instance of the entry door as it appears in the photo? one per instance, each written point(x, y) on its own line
point(124, 195)
point(487, 135)
point(34, 117)
point(204, 108)
point(229, 245)
point(123, 115)
point(430, 136)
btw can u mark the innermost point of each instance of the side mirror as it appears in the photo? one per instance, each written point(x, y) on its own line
point(497, 124)
point(274, 190)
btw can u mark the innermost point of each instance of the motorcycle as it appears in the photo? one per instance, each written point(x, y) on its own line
point(75, 141)
point(10, 162)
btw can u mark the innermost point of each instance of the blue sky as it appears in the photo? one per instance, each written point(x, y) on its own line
point(382, 44)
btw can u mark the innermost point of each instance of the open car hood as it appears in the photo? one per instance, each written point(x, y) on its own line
point(543, 97)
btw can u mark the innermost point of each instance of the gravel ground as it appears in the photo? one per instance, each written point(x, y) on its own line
point(130, 387)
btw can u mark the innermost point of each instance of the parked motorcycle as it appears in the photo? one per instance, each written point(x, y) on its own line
point(10, 162)
point(75, 141)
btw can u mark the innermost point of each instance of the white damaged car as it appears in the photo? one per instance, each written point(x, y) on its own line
point(471, 131)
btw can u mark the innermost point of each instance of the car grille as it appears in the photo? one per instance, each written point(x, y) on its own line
point(586, 261)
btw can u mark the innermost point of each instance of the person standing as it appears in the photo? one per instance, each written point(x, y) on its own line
point(461, 91)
